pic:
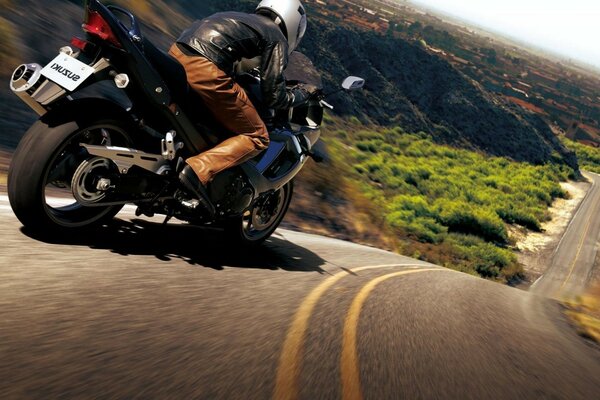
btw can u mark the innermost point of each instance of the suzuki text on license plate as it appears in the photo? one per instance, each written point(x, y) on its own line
point(67, 72)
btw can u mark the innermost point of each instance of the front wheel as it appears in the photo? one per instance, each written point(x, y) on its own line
point(258, 223)
point(42, 168)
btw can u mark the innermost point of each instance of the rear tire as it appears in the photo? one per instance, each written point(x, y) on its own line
point(262, 219)
point(39, 177)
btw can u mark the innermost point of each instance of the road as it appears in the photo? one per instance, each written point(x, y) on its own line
point(573, 260)
point(139, 310)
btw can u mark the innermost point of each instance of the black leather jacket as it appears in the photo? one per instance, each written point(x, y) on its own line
point(225, 38)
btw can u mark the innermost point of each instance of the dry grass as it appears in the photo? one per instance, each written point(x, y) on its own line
point(584, 311)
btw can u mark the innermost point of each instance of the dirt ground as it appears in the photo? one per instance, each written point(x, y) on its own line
point(536, 248)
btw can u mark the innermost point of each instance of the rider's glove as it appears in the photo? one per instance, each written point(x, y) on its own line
point(301, 94)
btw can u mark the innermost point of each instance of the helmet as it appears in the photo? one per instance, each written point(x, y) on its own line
point(289, 15)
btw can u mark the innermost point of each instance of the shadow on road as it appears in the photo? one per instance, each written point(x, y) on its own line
point(196, 246)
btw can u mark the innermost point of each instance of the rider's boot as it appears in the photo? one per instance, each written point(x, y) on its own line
point(190, 181)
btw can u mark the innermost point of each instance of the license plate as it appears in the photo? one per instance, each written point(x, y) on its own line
point(67, 72)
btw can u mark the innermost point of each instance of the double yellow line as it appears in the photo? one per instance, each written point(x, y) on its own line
point(288, 371)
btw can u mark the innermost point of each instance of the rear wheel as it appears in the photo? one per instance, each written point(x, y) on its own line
point(42, 169)
point(262, 219)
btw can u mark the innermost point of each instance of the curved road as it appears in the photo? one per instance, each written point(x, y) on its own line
point(573, 260)
point(138, 310)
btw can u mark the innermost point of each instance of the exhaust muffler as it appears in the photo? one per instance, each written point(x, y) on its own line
point(24, 82)
point(25, 77)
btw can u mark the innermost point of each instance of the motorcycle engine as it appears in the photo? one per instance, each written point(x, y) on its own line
point(231, 192)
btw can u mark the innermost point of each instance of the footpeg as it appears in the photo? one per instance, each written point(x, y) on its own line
point(190, 204)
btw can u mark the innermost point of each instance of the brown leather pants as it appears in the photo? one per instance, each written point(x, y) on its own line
point(231, 107)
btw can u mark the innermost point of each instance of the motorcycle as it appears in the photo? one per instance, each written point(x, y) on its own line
point(86, 157)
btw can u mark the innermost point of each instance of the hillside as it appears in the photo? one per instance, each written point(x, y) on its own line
point(421, 92)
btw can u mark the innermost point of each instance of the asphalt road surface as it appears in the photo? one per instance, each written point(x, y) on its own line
point(142, 311)
point(573, 260)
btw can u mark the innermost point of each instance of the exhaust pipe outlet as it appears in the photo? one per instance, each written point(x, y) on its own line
point(25, 77)
point(24, 82)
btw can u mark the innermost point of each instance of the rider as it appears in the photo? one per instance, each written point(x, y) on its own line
point(208, 51)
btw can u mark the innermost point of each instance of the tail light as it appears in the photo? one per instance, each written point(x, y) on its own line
point(97, 26)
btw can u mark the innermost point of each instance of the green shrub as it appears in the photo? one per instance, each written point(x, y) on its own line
point(424, 229)
point(511, 215)
point(485, 258)
point(368, 146)
point(462, 217)
point(360, 169)
point(417, 204)
point(355, 121)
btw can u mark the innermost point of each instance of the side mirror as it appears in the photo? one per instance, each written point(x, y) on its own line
point(353, 83)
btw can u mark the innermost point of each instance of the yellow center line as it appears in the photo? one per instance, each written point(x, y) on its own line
point(579, 248)
point(350, 373)
point(288, 369)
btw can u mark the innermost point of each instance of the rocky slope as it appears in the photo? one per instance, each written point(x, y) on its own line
point(422, 92)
